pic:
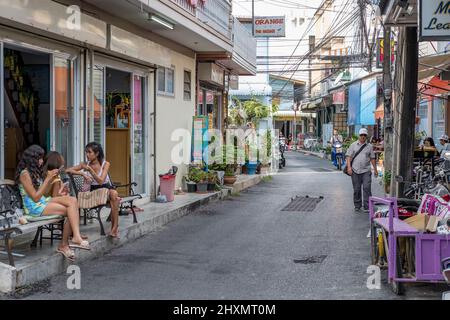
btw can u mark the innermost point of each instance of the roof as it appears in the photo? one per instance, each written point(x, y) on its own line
point(295, 81)
point(252, 89)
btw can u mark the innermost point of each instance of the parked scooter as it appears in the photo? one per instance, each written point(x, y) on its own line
point(338, 151)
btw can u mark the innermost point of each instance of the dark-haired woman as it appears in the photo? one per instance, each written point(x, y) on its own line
point(33, 187)
point(95, 171)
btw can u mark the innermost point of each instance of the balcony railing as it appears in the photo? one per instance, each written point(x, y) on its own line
point(217, 14)
point(243, 42)
point(187, 5)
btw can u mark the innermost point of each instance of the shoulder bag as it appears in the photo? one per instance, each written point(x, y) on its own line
point(354, 157)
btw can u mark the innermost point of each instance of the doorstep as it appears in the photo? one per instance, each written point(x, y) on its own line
point(43, 262)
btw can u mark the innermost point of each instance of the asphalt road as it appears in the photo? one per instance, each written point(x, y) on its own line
point(247, 248)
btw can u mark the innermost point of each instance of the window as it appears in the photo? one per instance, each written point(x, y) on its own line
point(166, 81)
point(187, 85)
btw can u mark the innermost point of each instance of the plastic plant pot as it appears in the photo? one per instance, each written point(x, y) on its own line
point(251, 168)
point(202, 187)
point(191, 187)
point(211, 186)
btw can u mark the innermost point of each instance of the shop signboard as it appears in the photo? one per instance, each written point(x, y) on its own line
point(212, 73)
point(199, 139)
point(380, 52)
point(270, 26)
point(434, 20)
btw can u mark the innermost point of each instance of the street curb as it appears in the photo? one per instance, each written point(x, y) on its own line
point(12, 278)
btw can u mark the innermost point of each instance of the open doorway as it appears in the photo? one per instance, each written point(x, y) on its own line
point(118, 122)
point(26, 103)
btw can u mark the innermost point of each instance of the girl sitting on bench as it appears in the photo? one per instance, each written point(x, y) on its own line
point(33, 187)
point(95, 172)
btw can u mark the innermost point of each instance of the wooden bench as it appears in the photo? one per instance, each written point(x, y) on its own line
point(126, 203)
point(10, 202)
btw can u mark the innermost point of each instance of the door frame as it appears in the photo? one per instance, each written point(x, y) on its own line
point(2, 122)
point(68, 52)
point(133, 70)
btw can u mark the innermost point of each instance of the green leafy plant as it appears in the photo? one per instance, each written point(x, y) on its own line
point(387, 177)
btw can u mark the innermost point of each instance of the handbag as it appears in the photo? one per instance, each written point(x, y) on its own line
point(351, 162)
point(93, 199)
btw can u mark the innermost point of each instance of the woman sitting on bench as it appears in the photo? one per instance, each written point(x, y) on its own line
point(95, 172)
point(33, 187)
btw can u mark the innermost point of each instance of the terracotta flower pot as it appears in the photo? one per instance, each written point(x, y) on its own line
point(230, 180)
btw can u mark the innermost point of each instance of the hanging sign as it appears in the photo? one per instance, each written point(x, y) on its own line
point(199, 139)
point(270, 26)
point(434, 20)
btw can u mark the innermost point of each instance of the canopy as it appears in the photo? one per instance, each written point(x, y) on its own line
point(432, 65)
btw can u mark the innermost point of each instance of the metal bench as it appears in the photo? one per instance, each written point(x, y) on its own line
point(10, 202)
point(126, 203)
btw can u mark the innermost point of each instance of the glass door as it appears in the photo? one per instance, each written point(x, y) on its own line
point(95, 96)
point(63, 115)
point(2, 133)
point(138, 136)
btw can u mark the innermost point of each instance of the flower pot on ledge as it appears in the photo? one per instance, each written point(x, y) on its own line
point(229, 180)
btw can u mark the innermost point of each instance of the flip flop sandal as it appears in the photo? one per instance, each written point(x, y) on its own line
point(84, 245)
point(82, 237)
point(114, 237)
point(68, 254)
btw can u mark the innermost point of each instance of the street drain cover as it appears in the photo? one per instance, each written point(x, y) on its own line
point(310, 260)
point(303, 204)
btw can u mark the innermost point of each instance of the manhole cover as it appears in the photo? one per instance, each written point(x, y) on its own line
point(303, 204)
point(310, 260)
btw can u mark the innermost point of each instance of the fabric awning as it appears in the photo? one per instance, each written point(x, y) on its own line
point(430, 66)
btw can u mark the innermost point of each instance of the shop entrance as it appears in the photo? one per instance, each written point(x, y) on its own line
point(26, 103)
point(118, 122)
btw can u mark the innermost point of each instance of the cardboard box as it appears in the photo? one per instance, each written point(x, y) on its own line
point(419, 221)
point(433, 223)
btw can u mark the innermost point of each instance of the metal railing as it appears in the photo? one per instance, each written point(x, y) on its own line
point(187, 5)
point(243, 42)
point(217, 14)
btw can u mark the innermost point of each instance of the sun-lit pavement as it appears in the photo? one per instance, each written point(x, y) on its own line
point(245, 248)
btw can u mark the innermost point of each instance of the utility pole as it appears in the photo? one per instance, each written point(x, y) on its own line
point(387, 86)
point(253, 17)
point(312, 44)
point(405, 116)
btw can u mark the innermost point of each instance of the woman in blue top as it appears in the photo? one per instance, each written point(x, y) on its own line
point(33, 187)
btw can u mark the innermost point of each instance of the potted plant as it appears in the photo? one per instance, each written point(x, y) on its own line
point(212, 180)
point(387, 181)
point(193, 178)
point(230, 177)
point(202, 184)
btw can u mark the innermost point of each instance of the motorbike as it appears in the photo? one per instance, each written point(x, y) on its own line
point(339, 155)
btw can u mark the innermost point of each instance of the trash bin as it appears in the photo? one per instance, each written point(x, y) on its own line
point(167, 186)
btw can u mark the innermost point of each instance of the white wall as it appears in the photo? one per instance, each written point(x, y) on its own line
point(174, 113)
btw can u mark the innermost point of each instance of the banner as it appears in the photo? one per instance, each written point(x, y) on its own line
point(354, 103)
point(368, 102)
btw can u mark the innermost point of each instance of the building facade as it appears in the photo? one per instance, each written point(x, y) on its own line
point(122, 73)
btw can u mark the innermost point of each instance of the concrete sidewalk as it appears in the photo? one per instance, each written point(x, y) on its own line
point(43, 262)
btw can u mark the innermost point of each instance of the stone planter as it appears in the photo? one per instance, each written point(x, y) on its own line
point(230, 180)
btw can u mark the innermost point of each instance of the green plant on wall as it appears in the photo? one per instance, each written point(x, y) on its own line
point(387, 178)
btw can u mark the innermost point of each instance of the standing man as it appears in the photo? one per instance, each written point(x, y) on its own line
point(335, 138)
point(359, 157)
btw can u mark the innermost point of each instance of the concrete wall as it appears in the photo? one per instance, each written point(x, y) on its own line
point(174, 113)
